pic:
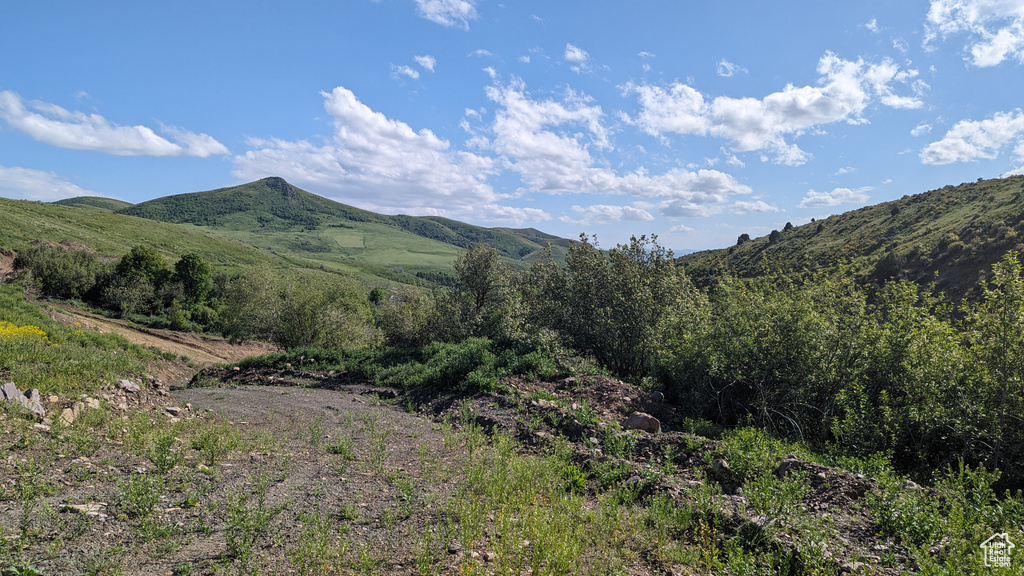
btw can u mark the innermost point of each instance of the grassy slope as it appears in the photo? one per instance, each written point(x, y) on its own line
point(951, 235)
point(114, 234)
point(274, 214)
point(95, 202)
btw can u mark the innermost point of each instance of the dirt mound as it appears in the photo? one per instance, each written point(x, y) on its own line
point(7, 264)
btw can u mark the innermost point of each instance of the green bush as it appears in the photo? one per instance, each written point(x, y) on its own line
point(59, 271)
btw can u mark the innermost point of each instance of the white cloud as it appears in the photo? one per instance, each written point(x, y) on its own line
point(405, 71)
point(836, 197)
point(727, 69)
point(481, 53)
point(427, 62)
point(922, 128)
point(743, 207)
point(844, 91)
point(524, 59)
point(549, 143)
point(994, 28)
point(51, 124)
point(575, 54)
point(681, 228)
point(26, 184)
point(577, 57)
point(451, 13)
point(970, 140)
point(872, 26)
point(604, 213)
point(845, 170)
point(383, 164)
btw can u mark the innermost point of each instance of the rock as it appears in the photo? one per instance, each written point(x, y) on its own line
point(910, 485)
point(849, 567)
point(720, 470)
point(172, 410)
point(788, 463)
point(642, 421)
point(31, 402)
point(91, 403)
point(128, 386)
point(67, 416)
point(490, 556)
point(657, 396)
point(93, 509)
point(454, 547)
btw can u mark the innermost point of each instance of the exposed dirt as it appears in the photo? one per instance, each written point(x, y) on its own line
point(203, 349)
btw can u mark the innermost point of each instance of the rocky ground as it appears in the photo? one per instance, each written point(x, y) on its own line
point(97, 494)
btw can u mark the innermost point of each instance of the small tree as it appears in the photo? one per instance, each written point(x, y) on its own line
point(195, 276)
point(743, 239)
point(146, 264)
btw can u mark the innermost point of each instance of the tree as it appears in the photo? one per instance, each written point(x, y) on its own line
point(146, 264)
point(196, 277)
point(774, 237)
point(743, 239)
point(616, 306)
point(61, 272)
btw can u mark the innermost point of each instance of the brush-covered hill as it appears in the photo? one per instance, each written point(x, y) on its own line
point(273, 213)
point(951, 236)
point(111, 204)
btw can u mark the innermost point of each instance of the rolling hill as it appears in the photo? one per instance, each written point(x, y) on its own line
point(100, 202)
point(273, 213)
point(951, 236)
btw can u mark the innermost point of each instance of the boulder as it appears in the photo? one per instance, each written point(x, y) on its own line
point(31, 402)
point(642, 421)
point(128, 386)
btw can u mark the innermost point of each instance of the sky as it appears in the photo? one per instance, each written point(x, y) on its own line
point(695, 121)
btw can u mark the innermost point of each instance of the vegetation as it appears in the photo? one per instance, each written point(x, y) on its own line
point(858, 366)
point(951, 237)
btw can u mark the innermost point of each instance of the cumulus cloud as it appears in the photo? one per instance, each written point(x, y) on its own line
point(383, 164)
point(549, 143)
point(681, 228)
point(54, 125)
point(427, 62)
point(836, 197)
point(844, 91)
point(604, 213)
point(25, 184)
point(994, 28)
point(970, 140)
point(872, 26)
point(451, 13)
point(727, 69)
point(744, 207)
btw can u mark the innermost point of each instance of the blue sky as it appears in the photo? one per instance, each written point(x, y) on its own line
point(695, 121)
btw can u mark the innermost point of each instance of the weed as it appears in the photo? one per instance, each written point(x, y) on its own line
point(343, 446)
point(248, 518)
point(141, 494)
point(162, 454)
point(316, 430)
point(321, 549)
point(215, 440)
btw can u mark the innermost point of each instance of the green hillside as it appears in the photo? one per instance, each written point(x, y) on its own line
point(273, 214)
point(112, 234)
point(110, 204)
point(951, 236)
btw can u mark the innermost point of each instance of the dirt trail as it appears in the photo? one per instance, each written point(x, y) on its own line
point(200, 348)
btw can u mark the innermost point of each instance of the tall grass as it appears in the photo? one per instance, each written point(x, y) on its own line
point(36, 352)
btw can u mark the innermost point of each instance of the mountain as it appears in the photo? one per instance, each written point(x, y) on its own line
point(951, 236)
point(95, 202)
point(274, 214)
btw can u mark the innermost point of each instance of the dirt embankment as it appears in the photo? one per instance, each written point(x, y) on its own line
point(200, 348)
